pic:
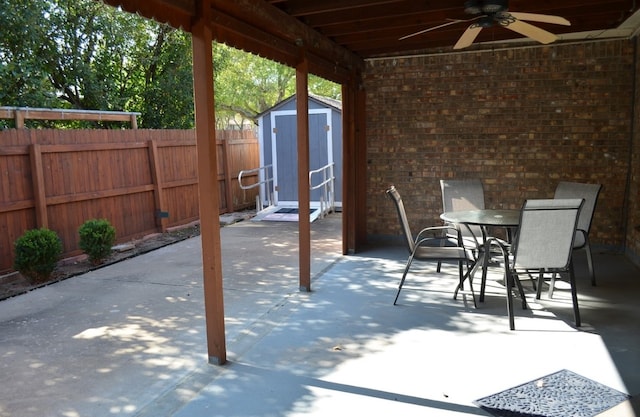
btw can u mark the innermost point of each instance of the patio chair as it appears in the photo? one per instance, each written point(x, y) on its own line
point(543, 244)
point(426, 245)
point(588, 192)
point(462, 195)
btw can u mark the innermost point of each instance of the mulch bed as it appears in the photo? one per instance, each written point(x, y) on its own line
point(15, 284)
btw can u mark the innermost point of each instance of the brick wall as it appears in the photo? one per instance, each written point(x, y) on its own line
point(519, 119)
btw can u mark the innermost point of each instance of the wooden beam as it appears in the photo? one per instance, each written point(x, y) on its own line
point(354, 186)
point(348, 171)
point(324, 55)
point(305, 7)
point(257, 27)
point(233, 31)
point(360, 161)
point(20, 114)
point(177, 13)
point(304, 194)
point(209, 199)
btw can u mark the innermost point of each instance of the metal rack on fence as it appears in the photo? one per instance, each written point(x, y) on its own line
point(265, 179)
point(327, 197)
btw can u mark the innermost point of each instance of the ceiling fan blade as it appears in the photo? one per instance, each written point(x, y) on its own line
point(453, 22)
point(542, 18)
point(468, 36)
point(532, 32)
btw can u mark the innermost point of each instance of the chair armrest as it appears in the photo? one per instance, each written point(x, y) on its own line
point(585, 239)
point(473, 239)
point(503, 247)
point(431, 233)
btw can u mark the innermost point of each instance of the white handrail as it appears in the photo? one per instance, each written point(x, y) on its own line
point(327, 196)
point(265, 178)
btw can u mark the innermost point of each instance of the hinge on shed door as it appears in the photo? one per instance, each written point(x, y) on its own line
point(275, 130)
point(327, 128)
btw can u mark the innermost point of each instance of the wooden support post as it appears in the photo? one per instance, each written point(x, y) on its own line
point(37, 178)
point(354, 194)
point(360, 161)
point(208, 187)
point(304, 195)
point(348, 176)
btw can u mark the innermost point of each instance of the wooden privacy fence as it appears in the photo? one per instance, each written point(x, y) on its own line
point(142, 181)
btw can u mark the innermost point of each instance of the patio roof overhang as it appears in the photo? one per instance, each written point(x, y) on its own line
point(339, 34)
point(256, 27)
point(332, 39)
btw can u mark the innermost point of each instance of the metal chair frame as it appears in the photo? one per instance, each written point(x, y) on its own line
point(426, 245)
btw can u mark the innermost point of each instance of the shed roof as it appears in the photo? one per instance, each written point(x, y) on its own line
point(321, 100)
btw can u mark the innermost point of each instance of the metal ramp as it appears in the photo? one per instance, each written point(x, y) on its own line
point(320, 179)
point(283, 214)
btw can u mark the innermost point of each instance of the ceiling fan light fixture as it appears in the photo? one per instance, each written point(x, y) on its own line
point(485, 22)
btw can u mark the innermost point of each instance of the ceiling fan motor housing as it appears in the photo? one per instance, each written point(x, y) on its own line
point(485, 6)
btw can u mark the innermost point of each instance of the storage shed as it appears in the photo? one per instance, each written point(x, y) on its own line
point(277, 135)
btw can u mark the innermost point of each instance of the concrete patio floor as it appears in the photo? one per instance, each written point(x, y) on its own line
point(128, 339)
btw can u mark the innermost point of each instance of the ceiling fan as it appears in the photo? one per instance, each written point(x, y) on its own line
point(489, 13)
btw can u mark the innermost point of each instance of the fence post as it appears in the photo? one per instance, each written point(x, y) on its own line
point(228, 186)
point(158, 192)
point(37, 179)
point(19, 119)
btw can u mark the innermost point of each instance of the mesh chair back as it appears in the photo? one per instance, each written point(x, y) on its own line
point(462, 195)
point(459, 195)
point(546, 233)
point(589, 192)
point(402, 216)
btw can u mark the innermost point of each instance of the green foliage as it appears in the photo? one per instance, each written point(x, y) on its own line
point(246, 85)
point(84, 54)
point(96, 239)
point(36, 253)
point(23, 73)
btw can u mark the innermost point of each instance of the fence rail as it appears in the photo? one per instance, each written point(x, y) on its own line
point(142, 181)
point(20, 114)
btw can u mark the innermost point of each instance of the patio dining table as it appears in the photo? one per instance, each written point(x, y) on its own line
point(485, 218)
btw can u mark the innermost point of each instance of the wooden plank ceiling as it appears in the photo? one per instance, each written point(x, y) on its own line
point(373, 28)
point(341, 33)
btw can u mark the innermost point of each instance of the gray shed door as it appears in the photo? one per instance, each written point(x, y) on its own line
point(285, 151)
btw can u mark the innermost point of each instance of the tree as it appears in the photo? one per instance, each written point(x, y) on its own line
point(83, 54)
point(164, 92)
point(247, 85)
point(23, 75)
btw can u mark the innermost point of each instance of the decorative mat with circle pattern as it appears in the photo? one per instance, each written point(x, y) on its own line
point(561, 394)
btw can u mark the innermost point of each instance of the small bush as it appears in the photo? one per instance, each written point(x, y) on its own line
point(96, 239)
point(36, 254)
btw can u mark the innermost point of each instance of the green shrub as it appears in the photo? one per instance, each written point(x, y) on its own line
point(36, 254)
point(96, 239)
